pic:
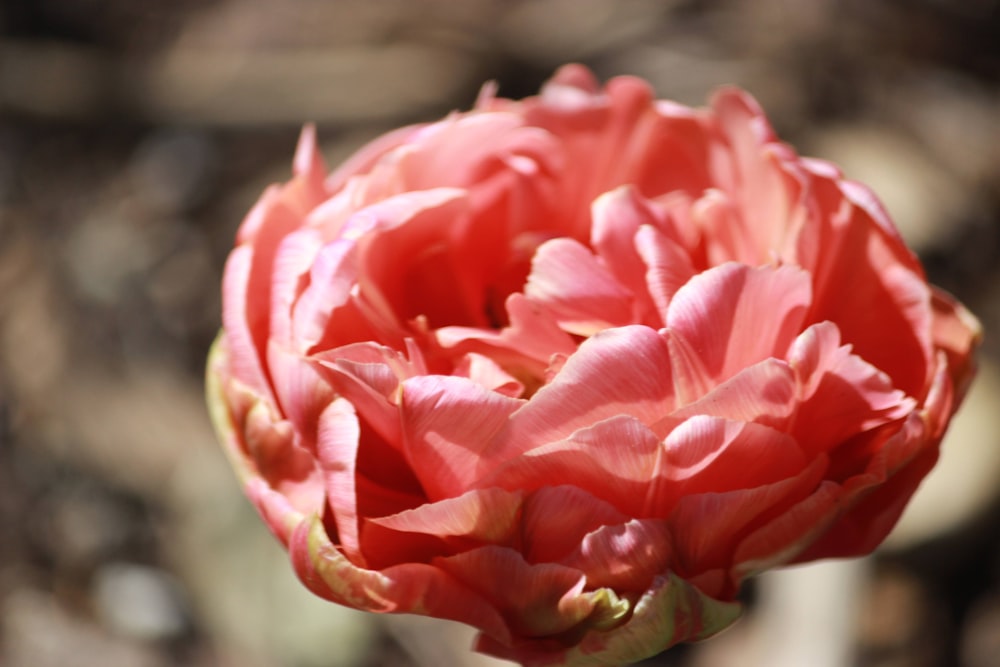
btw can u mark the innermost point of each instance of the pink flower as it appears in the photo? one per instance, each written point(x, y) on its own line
point(570, 369)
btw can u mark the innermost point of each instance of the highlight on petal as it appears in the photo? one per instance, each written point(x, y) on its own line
point(485, 515)
point(613, 460)
point(336, 452)
point(710, 455)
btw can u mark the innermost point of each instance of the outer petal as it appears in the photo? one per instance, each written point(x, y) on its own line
point(414, 588)
point(958, 333)
point(336, 452)
point(874, 499)
point(669, 612)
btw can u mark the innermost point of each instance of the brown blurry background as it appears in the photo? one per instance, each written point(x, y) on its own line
point(134, 135)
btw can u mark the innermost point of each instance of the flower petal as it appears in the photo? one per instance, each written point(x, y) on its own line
point(764, 393)
point(874, 498)
point(958, 333)
point(613, 460)
point(336, 453)
point(449, 425)
point(708, 528)
point(713, 455)
point(486, 515)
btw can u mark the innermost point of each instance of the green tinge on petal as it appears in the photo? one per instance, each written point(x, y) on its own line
point(609, 609)
point(218, 410)
point(670, 612)
point(413, 588)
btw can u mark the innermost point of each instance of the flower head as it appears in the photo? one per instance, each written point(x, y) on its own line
point(570, 369)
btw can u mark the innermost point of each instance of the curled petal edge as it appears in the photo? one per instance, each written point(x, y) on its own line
point(412, 588)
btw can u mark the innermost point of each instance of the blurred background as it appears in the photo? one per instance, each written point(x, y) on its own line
point(134, 136)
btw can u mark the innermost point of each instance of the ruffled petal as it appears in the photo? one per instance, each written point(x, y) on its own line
point(528, 343)
point(617, 218)
point(842, 395)
point(331, 276)
point(870, 284)
point(706, 455)
point(488, 374)
point(668, 267)
point(764, 393)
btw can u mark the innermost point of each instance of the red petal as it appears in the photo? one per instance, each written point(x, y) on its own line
point(842, 395)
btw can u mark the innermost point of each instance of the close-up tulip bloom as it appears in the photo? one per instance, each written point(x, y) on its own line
point(571, 369)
